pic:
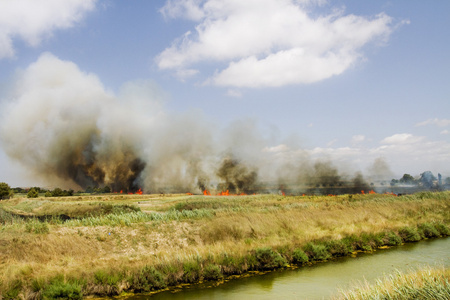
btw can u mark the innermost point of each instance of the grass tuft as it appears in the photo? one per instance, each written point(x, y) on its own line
point(427, 283)
point(58, 289)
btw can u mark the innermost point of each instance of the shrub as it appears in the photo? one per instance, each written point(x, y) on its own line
point(316, 252)
point(212, 272)
point(409, 234)
point(427, 230)
point(299, 257)
point(443, 229)
point(147, 279)
point(33, 193)
point(106, 283)
point(338, 248)
point(352, 242)
point(268, 259)
point(5, 191)
point(391, 239)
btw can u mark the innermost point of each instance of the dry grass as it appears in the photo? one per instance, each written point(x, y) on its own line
point(190, 228)
point(427, 283)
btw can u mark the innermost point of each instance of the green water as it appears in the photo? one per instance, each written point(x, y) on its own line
point(320, 281)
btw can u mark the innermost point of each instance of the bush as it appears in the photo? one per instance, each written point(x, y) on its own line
point(5, 191)
point(299, 257)
point(427, 230)
point(339, 248)
point(33, 193)
point(147, 279)
point(58, 289)
point(316, 252)
point(212, 272)
point(409, 234)
point(443, 229)
point(391, 239)
point(267, 259)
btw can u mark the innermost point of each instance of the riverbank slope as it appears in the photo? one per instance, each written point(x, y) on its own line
point(104, 245)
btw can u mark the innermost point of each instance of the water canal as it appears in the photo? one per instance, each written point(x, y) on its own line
point(319, 281)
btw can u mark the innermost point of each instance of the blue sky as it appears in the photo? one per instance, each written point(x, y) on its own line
point(347, 81)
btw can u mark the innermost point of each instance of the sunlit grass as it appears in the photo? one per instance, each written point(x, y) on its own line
point(427, 283)
point(207, 237)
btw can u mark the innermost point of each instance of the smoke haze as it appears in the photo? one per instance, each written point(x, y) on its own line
point(63, 124)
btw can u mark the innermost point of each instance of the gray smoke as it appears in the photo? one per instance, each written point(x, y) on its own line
point(63, 124)
point(236, 177)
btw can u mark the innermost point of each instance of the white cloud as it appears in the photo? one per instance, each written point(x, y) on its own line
point(435, 121)
point(32, 21)
point(358, 139)
point(189, 9)
point(269, 42)
point(402, 138)
point(444, 132)
point(234, 93)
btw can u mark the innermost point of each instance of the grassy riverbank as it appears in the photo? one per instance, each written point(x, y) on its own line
point(104, 245)
point(427, 283)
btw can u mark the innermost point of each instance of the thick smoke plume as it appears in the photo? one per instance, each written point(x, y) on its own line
point(63, 124)
point(236, 177)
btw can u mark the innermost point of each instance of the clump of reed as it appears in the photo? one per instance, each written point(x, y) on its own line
point(427, 283)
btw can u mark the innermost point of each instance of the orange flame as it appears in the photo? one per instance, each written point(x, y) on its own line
point(227, 193)
point(372, 192)
point(223, 193)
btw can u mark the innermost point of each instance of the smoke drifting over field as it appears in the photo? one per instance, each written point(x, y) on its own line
point(62, 123)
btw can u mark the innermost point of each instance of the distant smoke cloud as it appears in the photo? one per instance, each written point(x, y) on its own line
point(67, 129)
point(32, 21)
point(269, 43)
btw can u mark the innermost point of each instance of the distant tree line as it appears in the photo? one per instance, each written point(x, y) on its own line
point(7, 192)
point(57, 192)
point(98, 190)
